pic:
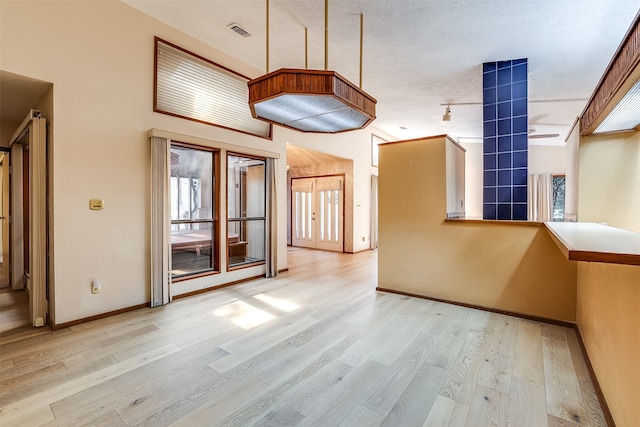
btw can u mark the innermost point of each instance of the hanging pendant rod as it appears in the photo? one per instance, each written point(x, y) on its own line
point(306, 48)
point(326, 34)
point(267, 14)
point(361, 32)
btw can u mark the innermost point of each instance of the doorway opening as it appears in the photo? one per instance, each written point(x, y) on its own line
point(27, 215)
point(303, 163)
point(24, 186)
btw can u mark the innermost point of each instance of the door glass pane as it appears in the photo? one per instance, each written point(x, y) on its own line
point(192, 250)
point(335, 215)
point(321, 216)
point(329, 215)
point(174, 198)
point(192, 209)
point(303, 215)
point(309, 217)
point(298, 215)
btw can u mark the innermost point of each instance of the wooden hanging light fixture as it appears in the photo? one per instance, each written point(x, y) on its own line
point(320, 101)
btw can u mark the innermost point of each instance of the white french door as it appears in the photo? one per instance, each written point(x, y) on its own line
point(317, 207)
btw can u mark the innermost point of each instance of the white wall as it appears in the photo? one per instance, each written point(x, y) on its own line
point(473, 180)
point(547, 159)
point(99, 57)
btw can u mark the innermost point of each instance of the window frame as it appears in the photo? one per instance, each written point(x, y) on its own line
point(245, 219)
point(213, 67)
point(553, 177)
point(215, 214)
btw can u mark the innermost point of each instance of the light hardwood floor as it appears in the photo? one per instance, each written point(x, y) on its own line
point(14, 311)
point(315, 346)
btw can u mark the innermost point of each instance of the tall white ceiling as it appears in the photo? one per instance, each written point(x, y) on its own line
point(421, 54)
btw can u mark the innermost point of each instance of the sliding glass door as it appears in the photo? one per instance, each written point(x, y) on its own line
point(193, 210)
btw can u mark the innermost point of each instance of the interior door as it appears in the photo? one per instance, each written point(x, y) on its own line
point(318, 213)
point(303, 200)
point(329, 211)
point(29, 213)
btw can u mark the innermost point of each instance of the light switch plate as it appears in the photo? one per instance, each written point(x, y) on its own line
point(96, 204)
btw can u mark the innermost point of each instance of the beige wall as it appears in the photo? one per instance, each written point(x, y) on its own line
point(500, 266)
point(99, 57)
point(608, 295)
point(608, 316)
point(609, 180)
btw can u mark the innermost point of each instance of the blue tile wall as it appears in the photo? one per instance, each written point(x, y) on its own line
point(505, 130)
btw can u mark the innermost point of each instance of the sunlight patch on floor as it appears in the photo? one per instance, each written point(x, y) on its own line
point(282, 304)
point(243, 315)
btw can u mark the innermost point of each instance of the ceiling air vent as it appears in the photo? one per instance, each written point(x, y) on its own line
point(238, 29)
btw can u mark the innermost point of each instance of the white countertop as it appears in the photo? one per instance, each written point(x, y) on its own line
point(588, 241)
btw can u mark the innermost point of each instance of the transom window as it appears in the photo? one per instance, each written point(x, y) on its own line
point(195, 88)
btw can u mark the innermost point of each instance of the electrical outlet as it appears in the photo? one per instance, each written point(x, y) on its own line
point(95, 286)
point(96, 204)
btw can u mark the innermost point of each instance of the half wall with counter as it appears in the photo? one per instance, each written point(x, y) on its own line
point(500, 265)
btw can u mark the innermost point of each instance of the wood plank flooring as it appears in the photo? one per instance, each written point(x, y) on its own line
point(316, 346)
point(14, 310)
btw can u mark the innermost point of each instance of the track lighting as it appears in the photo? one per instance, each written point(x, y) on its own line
point(447, 114)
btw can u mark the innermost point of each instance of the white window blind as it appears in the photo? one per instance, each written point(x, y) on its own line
point(194, 88)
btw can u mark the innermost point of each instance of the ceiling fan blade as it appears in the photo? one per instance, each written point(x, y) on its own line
point(544, 135)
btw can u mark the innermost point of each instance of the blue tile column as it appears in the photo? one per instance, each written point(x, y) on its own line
point(505, 140)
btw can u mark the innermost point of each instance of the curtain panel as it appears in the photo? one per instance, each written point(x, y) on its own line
point(160, 221)
point(540, 189)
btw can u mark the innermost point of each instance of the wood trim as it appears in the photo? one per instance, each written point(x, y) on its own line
point(211, 143)
point(425, 138)
point(202, 58)
point(213, 288)
point(56, 326)
point(493, 221)
point(247, 265)
point(615, 82)
point(215, 195)
point(194, 275)
point(479, 307)
point(360, 251)
point(293, 81)
point(608, 417)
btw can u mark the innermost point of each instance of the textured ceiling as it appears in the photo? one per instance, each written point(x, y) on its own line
point(419, 54)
